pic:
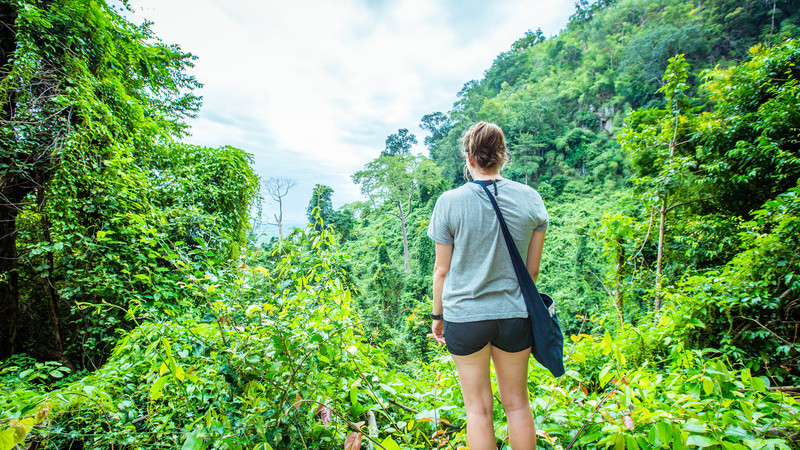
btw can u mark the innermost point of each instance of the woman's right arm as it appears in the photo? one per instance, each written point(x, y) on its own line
point(534, 257)
point(441, 266)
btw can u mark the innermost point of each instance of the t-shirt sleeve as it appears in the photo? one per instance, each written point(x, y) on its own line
point(438, 229)
point(543, 219)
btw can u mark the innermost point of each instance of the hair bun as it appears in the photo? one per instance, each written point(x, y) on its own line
point(485, 144)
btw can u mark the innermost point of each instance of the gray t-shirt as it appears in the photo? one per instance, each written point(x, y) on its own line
point(481, 283)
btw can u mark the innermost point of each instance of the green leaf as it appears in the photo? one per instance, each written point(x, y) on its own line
point(157, 388)
point(663, 432)
point(701, 441)
point(708, 386)
point(605, 375)
point(739, 432)
point(7, 439)
point(390, 444)
point(194, 441)
point(758, 384)
point(606, 344)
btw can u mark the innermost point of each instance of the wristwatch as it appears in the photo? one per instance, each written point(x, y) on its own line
point(437, 316)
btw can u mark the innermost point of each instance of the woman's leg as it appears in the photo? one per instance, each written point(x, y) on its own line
point(476, 387)
point(512, 382)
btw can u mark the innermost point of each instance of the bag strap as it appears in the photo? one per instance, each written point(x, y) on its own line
point(523, 275)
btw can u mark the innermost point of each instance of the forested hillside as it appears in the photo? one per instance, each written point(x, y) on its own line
point(662, 135)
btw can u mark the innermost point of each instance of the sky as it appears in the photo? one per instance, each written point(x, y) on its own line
point(312, 88)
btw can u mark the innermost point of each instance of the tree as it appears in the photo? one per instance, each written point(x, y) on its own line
point(80, 85)
point(277, 188)
point(750, 147)
point(438, 125)
point(390, 183)
point(658, 140)
point(399, 143)
point(320, 207)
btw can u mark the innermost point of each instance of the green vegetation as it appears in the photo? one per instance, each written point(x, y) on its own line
point(662, 135)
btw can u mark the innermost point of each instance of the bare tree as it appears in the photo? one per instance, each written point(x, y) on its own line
point(277, 188)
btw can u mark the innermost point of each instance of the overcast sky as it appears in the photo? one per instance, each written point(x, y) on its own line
point(312, 88)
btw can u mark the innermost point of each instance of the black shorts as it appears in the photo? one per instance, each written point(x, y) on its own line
point(509, 335)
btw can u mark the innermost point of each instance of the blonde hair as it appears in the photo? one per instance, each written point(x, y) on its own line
point(485, 144)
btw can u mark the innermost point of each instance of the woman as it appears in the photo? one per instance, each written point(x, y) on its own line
point(478, 309)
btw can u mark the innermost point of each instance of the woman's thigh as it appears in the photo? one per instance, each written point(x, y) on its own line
point(473, 374)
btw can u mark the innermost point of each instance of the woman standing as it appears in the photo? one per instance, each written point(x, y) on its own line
point(478, 308)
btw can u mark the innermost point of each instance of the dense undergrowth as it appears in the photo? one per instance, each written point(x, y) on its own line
point(278, 358)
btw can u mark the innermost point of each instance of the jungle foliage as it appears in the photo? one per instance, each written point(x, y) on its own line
point(662, 135)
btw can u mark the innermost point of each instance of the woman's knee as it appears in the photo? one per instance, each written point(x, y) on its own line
point(513, 403)
point(481, 404)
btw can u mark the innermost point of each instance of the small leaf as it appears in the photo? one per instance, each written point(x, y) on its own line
point(628, 421)
point(390, 444)
point(251, 310)
point(157, 388)
point(700, 441)
point(708, 386)
point(605, 375)
point(325, 416)
point(353, 441)
point(261, 270)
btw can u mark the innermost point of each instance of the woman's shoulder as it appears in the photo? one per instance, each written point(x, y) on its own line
point(454, 194)
point(521, 188)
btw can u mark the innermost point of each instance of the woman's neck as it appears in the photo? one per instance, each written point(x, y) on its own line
point(482, 176)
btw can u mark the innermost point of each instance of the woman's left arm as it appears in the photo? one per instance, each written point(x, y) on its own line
point(534, 257)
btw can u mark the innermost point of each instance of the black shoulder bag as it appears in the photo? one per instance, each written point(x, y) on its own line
point(548, 341)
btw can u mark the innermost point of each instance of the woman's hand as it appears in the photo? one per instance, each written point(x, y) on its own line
point(437, 327)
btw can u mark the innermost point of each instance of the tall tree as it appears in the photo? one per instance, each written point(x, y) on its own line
point(390, 182)
point(277, 188)
point(399, 143)
point(659, 142)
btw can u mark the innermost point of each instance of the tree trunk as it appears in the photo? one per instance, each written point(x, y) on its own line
point(661, 231)
point(9, 193)
point(617, 280)
point(405, 237)
point(9, 279)
point(52, 294)
point(772, 28)
point(279, 221)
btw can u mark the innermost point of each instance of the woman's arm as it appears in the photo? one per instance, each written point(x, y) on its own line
point(441, 266)
point(534, 257)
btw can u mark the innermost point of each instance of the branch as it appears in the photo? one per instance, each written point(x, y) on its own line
point(770, 331)
point(388, 213)
point(601, 283)
point(646, 237)
point(691, 201)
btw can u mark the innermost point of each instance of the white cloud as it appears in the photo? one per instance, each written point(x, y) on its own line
point(313, 87)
